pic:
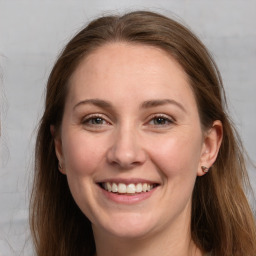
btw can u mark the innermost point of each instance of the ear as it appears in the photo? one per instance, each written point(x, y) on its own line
point(58, 148)
point(211, 146)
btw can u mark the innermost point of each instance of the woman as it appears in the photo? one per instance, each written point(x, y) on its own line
point(135, 154)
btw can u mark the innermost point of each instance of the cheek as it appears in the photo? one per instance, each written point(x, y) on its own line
point(82, 154)
point(177, 155)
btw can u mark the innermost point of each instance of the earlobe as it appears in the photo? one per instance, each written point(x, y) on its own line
point(211, 146)
point(58, 148)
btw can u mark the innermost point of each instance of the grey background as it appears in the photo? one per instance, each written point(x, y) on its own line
point(33, 32)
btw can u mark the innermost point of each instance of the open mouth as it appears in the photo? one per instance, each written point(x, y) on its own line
point(129, 189)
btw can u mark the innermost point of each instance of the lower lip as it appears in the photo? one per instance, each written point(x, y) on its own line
point(128, 199)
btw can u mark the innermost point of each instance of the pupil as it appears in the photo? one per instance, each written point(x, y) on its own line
point(98, 120)
point(160, 120)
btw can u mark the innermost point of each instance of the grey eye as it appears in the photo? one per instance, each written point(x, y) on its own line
point(159, 120)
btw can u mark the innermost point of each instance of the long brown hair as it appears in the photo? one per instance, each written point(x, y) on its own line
point(222, 221)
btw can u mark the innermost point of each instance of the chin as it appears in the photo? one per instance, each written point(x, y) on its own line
point(129, 232)
point(129, 227)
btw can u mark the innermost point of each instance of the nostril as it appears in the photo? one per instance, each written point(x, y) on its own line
point(126, 158)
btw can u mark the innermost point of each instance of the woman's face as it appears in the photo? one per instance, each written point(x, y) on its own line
point(131, 143)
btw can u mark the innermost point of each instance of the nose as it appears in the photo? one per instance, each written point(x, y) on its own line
point(126, 151)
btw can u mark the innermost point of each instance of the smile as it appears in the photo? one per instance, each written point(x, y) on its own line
point(130, 189)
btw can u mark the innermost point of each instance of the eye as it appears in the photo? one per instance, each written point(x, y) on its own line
point(95, 121)
point(160, 120)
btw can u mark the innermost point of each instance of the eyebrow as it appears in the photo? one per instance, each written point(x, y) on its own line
point(96, 102)
point(146, 104)
point(157, 103)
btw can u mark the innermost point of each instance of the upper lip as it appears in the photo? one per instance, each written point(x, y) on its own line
point(127, 181)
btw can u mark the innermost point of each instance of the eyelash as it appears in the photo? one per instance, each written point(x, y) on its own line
point(163, 118)
point(89, 120)
point(92, 121)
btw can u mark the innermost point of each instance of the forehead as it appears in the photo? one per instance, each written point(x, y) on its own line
point(120, 69)
point(127, 56)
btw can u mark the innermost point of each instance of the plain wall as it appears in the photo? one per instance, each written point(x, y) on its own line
point(33, 32)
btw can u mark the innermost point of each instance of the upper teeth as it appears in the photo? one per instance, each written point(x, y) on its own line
point(129, 188)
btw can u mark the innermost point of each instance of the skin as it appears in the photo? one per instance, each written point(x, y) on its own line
point(131, 114)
